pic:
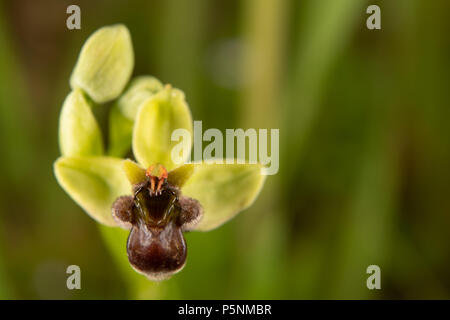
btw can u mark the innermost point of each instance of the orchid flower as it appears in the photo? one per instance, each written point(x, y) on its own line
point(151, 195)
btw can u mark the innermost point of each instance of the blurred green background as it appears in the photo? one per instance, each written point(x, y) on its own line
point(364, 146)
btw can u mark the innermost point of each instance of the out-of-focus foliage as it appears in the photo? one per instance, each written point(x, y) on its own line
point(365, 150)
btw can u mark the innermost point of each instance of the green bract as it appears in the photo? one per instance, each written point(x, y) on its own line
point(143, 119)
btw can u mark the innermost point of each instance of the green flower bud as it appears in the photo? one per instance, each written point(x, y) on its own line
point(156, 120)
point(79, 133)
point(139, 90)
point(105, 63)
point(124, 111)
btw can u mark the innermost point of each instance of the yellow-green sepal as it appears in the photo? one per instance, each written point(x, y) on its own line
point(223, 190)
point(94, 183)
point(79, 133)
point(134, 172)
point(179, 176)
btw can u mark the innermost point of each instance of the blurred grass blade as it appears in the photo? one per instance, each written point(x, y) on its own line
point(16, 132)
point(183, 29)
point(323, 36)
point(16, 125)
point(5, 284)
point(265, 26)
point(366, 232)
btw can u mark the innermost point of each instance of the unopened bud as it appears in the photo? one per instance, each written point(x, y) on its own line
point(105, 63)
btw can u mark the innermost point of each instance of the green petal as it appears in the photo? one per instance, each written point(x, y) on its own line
point(134, 172)
point(139, 90)
point(105, 63)
point(94, 183)
point(179, 176)
point(79, 133)
point(123, 113)
point(223, 190)
point(156, 120)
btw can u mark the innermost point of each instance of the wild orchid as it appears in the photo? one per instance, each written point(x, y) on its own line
point(153, 195)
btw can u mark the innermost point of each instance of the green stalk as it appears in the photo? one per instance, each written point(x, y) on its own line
point(265, 30)
point(265, 25)
point(324, 30)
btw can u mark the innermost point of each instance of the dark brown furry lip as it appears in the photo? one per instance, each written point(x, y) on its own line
point(156, 215)
point(157, 252)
